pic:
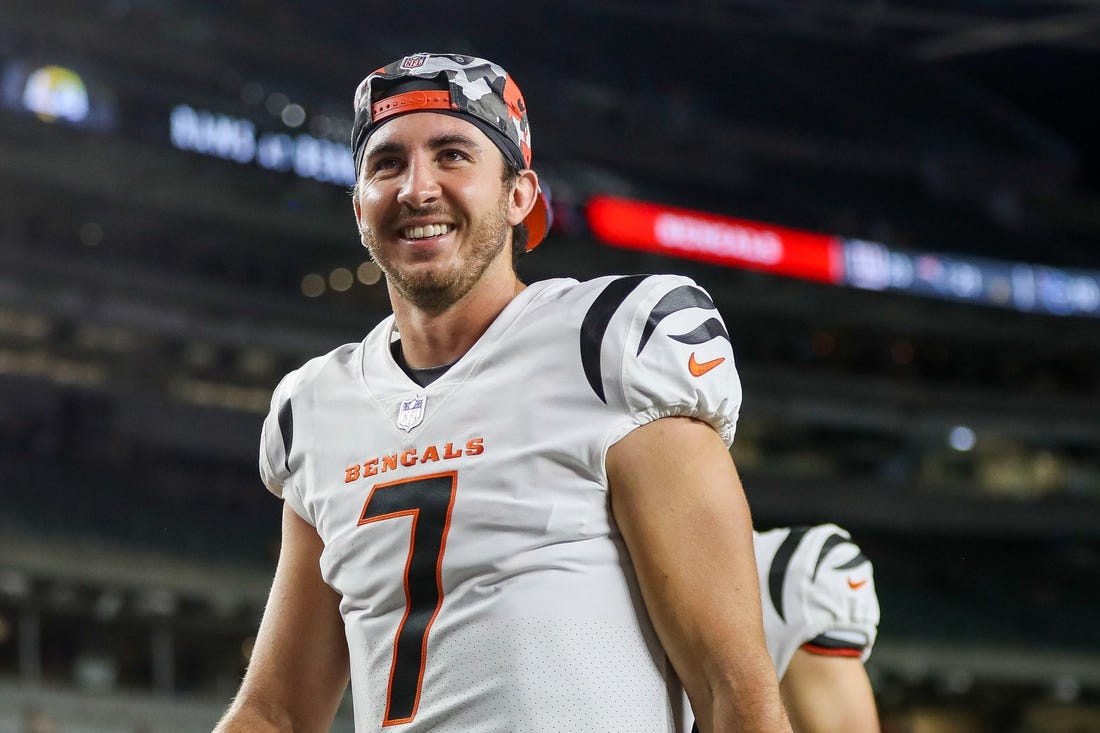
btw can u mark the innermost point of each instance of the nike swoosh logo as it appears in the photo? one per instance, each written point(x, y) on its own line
point(698, 370)
point(856, 584)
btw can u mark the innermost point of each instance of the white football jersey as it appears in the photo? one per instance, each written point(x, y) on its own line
point(466, 524)
point(818, 592)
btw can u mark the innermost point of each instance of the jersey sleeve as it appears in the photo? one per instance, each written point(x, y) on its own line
point(818, 593)
point(276, 444)
point(675, 357)
point(840, 604)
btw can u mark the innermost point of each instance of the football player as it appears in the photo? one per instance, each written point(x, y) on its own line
point(821, 617)
point(504, 508)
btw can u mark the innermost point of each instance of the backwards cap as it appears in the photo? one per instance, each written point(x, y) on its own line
point(466, 87)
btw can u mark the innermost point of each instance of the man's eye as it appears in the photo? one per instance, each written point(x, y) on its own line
point(454, 155)
point(384, 167)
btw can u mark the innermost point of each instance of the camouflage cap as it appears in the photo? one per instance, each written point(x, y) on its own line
point(467, 87)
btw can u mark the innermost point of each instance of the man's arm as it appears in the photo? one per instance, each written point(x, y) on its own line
point(678, 501)
point(299, 667)
point(826, 694)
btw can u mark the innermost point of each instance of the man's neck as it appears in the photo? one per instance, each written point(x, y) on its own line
point(433, 339)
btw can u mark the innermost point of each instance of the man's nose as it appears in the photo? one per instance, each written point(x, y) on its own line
point(421, 184)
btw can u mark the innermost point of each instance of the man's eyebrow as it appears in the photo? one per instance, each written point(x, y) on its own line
point(453, 138)
point(439, 141)
point(385, 149)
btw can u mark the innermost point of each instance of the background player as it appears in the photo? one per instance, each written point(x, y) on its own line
point(821, 618)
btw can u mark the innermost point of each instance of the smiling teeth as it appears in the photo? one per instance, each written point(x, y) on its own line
point(432, 230)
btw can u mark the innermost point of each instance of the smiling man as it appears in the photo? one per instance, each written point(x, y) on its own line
point(505, 509)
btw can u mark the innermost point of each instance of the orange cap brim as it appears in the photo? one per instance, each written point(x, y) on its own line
point(538, 221)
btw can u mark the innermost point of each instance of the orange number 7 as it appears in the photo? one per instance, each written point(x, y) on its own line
point(428, 500)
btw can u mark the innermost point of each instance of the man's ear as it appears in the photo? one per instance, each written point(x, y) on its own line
point(358, 214)
point(523, 197)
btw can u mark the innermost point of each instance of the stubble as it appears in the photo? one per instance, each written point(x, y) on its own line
point(435, 290)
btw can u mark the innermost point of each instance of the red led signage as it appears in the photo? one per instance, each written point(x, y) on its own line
point(717, 239)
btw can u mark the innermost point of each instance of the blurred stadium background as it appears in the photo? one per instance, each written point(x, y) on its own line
point(895, 203)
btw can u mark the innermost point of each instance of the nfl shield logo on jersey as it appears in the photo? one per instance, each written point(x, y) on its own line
point(411, 413)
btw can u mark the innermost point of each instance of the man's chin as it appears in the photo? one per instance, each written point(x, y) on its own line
point(428, 291)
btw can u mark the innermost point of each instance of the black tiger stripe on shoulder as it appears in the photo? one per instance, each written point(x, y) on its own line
point(286, 428)
point(781, 562)
point(712, 328)
point(595, 323)
point(855, 562)
point(676, 300)
point(833, 540)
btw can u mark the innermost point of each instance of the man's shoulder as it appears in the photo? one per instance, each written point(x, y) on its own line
point(806, 546)
point(609, 285)
point(598, 304)
point(821, 562)
point(339, 363)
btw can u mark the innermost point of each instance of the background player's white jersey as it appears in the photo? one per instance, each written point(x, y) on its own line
point(467, 525)
point(818, 592)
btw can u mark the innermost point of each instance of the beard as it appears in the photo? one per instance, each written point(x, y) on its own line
point(437, 289)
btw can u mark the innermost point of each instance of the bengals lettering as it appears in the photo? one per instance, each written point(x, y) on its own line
point(413, 457)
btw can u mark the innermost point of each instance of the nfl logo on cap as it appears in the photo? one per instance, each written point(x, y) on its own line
point(415, 61)
point(411, 413)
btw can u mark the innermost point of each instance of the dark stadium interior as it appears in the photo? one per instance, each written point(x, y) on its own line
point(151, 296)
